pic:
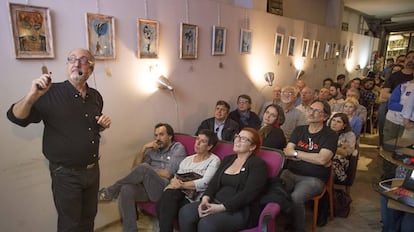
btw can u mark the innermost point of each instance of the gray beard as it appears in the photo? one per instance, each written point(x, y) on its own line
point(76, 77)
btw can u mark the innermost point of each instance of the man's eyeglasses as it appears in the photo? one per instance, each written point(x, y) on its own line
point(243, 102)
point(82, 60)
point(243, 139)
point(313, 110)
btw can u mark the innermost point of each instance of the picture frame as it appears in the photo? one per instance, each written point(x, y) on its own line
point(291, 46)
point(218, 41)
point(188, 41)
point(305, 47)
point(278, 44)
point(31, 28)
point(315, 49)
point(245, 41)
point(344, 51)
point(100, 36)
point(148, 38)
point(326, 51)
point(351, 48)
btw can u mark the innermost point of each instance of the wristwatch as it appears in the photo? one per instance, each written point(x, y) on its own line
point(295, 154)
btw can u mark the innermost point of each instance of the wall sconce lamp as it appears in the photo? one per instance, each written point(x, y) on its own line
point(299, 73)
point(358, 67)
point(164, 83)
point(269, 77)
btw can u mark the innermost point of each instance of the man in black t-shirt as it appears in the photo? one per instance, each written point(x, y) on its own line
point(309, 153)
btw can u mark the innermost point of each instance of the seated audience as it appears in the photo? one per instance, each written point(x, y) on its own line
point(352, 84)
point(224, 127)
point(327, 82)
point(309, 153)
point(346, 145)
point(336, 95)
point(350, 106)
point(204, 163)
point(238, 182)
point(293, 116)
point(276, 95)
point(306, 97)
point(367, 97)
point(340, 79)
point(243, 114)
point(299, 85)
point(324, 94)
point(155, 164)
point(360, 111)
point(270, 131)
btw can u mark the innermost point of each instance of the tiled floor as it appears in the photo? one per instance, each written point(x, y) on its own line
point(365, 209)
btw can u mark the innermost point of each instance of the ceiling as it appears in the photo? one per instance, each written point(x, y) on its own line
point(392, 15)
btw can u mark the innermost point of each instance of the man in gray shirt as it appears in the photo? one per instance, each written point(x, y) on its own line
point(153, 167)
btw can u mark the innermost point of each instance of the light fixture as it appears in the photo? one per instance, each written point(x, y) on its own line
point(164, 83)
point(269, 77)
point(299, 73)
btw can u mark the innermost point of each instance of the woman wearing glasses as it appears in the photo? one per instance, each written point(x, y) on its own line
point(226, 204)
point(272, 135)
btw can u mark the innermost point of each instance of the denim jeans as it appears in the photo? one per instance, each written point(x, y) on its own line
point(395, 220)
point(140, 185)
point(302, 189)
point(75, 195)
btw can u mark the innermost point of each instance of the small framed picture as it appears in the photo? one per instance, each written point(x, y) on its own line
point(245, 41)
point(188, 41)
point(148, 38)
point(278, 44)
point(291, 46)
point(305, 47)
point(32, 31)
point(315, 49)
point(344, 51)
point(218, 41)
point(326, 51)
point(101, 35)
point(351, 48)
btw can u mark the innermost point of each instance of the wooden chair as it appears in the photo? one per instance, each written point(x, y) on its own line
point(274, 159)
point(327, 188)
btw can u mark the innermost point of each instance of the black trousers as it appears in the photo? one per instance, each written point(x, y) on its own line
point(75, 193)
point(167, 208)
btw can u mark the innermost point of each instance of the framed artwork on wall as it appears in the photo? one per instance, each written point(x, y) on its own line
point(344, 51)
point(315, 49)
point(326, 51)
point(218, 41)
point(188, 41)
point(245, 41)
point(291, 46)
point(305, 47)
point(101, 35)
point(32, 31)
point(351, 48)
point(148, 38)
point(278, 44)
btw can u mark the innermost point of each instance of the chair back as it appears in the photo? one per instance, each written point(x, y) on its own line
point(188, 142)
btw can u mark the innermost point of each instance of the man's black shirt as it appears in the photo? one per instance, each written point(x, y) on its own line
point(71, 134)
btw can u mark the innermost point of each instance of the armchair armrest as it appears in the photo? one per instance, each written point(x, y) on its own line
point(268, 217)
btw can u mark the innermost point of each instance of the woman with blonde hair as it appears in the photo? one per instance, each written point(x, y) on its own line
point(350, 106)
